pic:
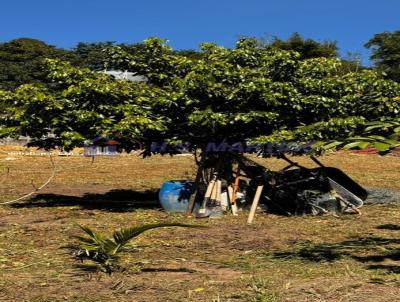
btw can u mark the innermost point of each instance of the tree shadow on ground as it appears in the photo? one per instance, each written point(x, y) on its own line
point(368, 250)
point(392, 227)
point(114, 200)
point(307, 251)
point(395, 269)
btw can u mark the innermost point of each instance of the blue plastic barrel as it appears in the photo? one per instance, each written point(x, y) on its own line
point(174, 195)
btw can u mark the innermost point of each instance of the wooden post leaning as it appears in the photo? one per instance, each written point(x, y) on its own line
point(255, 203)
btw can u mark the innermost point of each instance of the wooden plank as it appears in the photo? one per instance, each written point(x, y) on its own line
point(255, 203)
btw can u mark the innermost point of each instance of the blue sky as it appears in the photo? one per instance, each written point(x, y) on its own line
point(187, 23)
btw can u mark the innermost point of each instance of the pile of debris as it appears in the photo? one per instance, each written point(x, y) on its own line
point(294, 190)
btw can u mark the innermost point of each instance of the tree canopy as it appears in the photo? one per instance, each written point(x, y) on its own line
point(21, 61)
point(90, 55)
point(307, 48)
point(386, 53)
point(245, 94)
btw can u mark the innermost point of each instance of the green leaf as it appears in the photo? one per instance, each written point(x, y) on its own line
point(331, 145)
point(382, 147)
point(360, 145)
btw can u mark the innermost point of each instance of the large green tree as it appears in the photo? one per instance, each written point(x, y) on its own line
point(248, 93)
point(21, 61)
point(386, 53)
point(307, 48)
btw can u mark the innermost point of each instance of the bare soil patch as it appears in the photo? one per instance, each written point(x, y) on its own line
point(351, 258)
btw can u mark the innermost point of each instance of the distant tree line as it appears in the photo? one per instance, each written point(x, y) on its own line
point(21, 60)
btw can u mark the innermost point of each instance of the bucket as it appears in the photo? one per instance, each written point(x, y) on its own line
point(174, 195)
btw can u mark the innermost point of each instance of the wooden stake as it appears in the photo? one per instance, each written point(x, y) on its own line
point(255, 203)
point(236, 185)
point(234, 192)
point(231, 205)
point(214, 193)
point(207, 196)
point(219, 192)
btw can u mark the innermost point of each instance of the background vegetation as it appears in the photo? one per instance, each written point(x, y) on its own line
point(21, 59)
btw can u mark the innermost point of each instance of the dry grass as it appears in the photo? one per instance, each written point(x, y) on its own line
point(351, 258)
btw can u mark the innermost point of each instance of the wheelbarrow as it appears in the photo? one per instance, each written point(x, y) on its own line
point(298, 190)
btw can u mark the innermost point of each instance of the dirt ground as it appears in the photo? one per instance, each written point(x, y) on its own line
point(350, 258)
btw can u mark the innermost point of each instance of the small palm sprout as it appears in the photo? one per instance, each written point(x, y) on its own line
point(105, 251)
